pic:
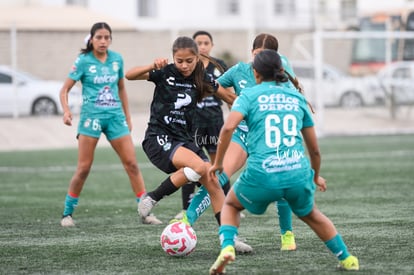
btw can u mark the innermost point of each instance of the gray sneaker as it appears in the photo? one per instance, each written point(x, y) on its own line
point(145, 206)
point(151, 219)
point(242, 247)
point(67, 221)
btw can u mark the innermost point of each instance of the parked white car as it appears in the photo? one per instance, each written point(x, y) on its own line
point(337, 88)
point(397, 79)
point(32, 96)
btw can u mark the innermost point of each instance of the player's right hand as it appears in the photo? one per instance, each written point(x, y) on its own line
point(321, 183)
point(67, 118)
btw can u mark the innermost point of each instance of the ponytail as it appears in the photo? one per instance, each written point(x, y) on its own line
point(204, 83)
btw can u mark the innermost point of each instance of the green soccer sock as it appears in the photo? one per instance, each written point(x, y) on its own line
point(70, 204)
point(337, 246)
point(198, 205)
point(201, 201)
point(285, 216)
point(227, 234)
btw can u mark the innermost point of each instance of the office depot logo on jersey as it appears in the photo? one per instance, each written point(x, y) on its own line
point(278, 102)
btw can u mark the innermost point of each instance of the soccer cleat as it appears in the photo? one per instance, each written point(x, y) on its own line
point(67, 221)
point(145, 206)
point(184, 219)
point(180, 215)
point(288, 241)
point(350, 263)
point(151, 219)
point(242, 247)
point(227, 255)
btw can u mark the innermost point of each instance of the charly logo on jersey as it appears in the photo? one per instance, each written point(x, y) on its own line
point(92, 69)
point(242, 83)
point(171, 81)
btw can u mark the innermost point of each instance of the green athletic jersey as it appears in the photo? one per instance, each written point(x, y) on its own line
point(99, 84)
point(275, 115)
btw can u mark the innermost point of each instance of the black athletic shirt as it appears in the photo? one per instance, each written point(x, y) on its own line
point(174, 102)
point(209, 112)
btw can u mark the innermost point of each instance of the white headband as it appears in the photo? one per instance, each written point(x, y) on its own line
point(86, 39)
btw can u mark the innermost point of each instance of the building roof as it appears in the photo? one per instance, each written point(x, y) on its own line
point(55, 18)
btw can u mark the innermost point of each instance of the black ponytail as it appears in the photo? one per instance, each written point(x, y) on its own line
point(269, 65)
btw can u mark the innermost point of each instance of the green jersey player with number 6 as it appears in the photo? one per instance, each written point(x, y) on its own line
point(105, 111)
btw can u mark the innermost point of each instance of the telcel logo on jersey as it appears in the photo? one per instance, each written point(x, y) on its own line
point(278, 102)
point(104, 79)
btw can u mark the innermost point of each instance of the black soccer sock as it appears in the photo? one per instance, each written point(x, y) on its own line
point(186, 192)
point(166, 188)
point(217, 216)
point(226, 188)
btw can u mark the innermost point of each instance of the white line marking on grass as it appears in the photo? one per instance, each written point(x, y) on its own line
point(148, 165)
point(68, 168)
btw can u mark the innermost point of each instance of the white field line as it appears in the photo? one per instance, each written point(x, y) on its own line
point(148, 165)
point(68, 168)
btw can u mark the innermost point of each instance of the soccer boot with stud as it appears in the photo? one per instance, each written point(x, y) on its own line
point(288, 241)
point(67, 221)
point(227, 256)
point(241, 247)
point(349, 264)
point(145, 206)
point(151, 219)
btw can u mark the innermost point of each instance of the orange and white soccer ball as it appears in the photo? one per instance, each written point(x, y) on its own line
point(178, 239)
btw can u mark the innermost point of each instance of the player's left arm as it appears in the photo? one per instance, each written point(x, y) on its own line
point(311, 141)
point(226, 132)
point(226, 94)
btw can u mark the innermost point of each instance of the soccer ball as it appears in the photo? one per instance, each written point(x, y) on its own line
point(178, 239)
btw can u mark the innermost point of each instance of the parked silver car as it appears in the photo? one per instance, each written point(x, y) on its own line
point(31, 95)
point(337, 88)
point(397, 80)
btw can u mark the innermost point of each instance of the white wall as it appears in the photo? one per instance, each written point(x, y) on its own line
point(127, 11)
point(184, 14)
point(369, 6)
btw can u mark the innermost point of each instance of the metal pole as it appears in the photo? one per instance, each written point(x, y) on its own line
point(13, 52)
point(318, 64)
point(388, 60)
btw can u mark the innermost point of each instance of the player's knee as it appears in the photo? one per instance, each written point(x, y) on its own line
point(131, 167)
point(192, 175)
